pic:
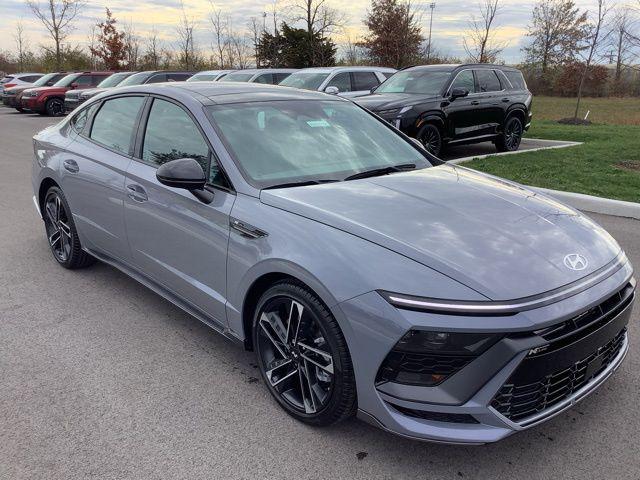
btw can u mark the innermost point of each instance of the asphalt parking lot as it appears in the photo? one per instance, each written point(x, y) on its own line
point(101, 378)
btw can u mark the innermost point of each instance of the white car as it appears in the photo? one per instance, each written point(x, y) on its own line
point(343, 81)
point(17, 79)
point(209, 75)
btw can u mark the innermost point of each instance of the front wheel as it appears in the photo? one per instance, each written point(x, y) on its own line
point(303, 357)
point(431, 138)
point(20, 109)
point(61, 231)
point(509, 140)
point(54, 107)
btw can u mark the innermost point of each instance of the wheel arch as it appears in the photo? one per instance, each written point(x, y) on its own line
point(516, 111)
point(45, 185)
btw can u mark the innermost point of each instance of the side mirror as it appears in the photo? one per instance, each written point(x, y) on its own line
point(459, 93)
point(74, 85)
point(331, 89)
point(185, 173)
point(50, 83)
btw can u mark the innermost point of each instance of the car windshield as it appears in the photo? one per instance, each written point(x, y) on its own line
point(135, 79)
point(113, 80)
point(292, 141)
point(67, 80)
point(237, 77)
point(425, 82)
point(203, 77)
point(44, 79)
point(306, 80)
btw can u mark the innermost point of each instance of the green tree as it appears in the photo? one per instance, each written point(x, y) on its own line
point(394, 36)
point(294, 48)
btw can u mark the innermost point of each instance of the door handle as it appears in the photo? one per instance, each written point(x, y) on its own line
point(475, 102)
point(71, 166)
point(506, 100)
point(136, 193)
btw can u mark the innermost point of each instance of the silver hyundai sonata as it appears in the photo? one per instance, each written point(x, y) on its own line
point(369, 278)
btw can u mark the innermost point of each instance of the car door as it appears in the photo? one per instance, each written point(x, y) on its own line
point(490, 111)
point(93, 171)
point(363, 82)
point(461, 112)
point(175, 239)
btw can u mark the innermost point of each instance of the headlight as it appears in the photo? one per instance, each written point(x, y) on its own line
point(393, 112)
point(427, 358)
point(31, 94)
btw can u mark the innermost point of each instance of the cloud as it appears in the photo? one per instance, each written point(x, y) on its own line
point(451, 19)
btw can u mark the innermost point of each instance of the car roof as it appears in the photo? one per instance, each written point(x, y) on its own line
point(266, 70)
point(354, 68)
point(456, 66)
point(215, 93)
point(213, 72)
point(23, 74)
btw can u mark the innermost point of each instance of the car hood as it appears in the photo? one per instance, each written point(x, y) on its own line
point(16, 90)
point(385, 101)
point(48, 89)
point(502, 240)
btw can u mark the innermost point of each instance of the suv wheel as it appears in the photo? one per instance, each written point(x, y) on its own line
point(54, 107)
point(430, 137)
point(509, 140)
point(303, 356)
point(61, 231)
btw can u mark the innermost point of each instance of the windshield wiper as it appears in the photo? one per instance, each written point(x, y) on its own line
point(299, 184)
point(382, 171)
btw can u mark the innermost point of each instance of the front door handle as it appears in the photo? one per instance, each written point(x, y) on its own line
point(506, 100)
point(475, 102)
point(137, 193)
point(71, 166)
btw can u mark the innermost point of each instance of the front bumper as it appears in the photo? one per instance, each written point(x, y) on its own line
point(71, 103)
point(463, 409)
point(33, 104)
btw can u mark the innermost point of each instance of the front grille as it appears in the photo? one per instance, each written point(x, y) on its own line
point(517, 401)
point(437, 416)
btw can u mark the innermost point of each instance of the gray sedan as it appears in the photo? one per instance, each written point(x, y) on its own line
point(369, 278)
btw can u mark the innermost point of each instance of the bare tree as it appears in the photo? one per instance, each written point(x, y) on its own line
point(188, 52)
point(594, 41)
point(21, 45)
point(57, 16)
point(132, 42)
point(219, 25)
point(153, 50)
point(255, 30)
point(623, 40)
point(479, 42)
point(319, 19)
point(92, 43)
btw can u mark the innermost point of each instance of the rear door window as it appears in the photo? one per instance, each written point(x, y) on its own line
point(280, 76)
point(487, 81)
point(264, 78)
point(157, 78)
point(365, 80)
point(114, 124)
point(84, 80)
point(177, 77)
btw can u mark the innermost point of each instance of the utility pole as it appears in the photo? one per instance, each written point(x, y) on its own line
point(432, 6)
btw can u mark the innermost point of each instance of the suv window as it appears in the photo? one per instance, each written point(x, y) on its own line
point(387, 74)
point(30, 78)
point(157, 78)
point(365, 80)
point(487, 81)
point(177, 77)
point(342, 80)
point(280, 76)
point(171, 134)
point(84, 80)
point(516, 79)
point(264, 78)
point(464, 80)
point(113, 125)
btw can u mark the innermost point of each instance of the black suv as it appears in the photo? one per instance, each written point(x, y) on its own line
point(455, 104)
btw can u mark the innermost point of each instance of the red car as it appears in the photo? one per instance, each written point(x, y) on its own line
point(50, 100)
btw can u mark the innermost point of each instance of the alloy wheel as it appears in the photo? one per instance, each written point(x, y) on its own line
point(513, 134)
point(57, 226)
point(296, 359)
point(431, 140)
point(55, 107)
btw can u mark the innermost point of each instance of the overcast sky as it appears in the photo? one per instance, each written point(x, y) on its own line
point(450, 20)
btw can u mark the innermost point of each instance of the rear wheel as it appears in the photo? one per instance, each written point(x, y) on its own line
point(430, 136)
point(303, 356)
point(509, 140)
point(61, 232)
point(54, 107)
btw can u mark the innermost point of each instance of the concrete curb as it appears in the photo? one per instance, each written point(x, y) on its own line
point(589, 203)
point(552, 144)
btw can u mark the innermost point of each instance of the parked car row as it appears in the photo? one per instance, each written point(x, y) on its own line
point(438, 105)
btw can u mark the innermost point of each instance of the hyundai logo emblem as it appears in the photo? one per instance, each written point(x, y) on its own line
point(575, 261)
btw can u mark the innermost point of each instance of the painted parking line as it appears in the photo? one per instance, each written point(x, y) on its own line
point(527, 145)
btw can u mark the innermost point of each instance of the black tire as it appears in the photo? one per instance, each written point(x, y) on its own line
point(61, 232)
point(20, 109)
point(511, 136)
point(431, 138)
point(54, 107)
point(332, 397)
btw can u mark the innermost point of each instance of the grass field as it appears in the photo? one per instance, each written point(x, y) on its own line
point(606, 165)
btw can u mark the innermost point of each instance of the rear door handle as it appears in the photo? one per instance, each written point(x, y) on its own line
point(475, 102)
point(136, 193)
point(506, 100)
point(71, 166)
